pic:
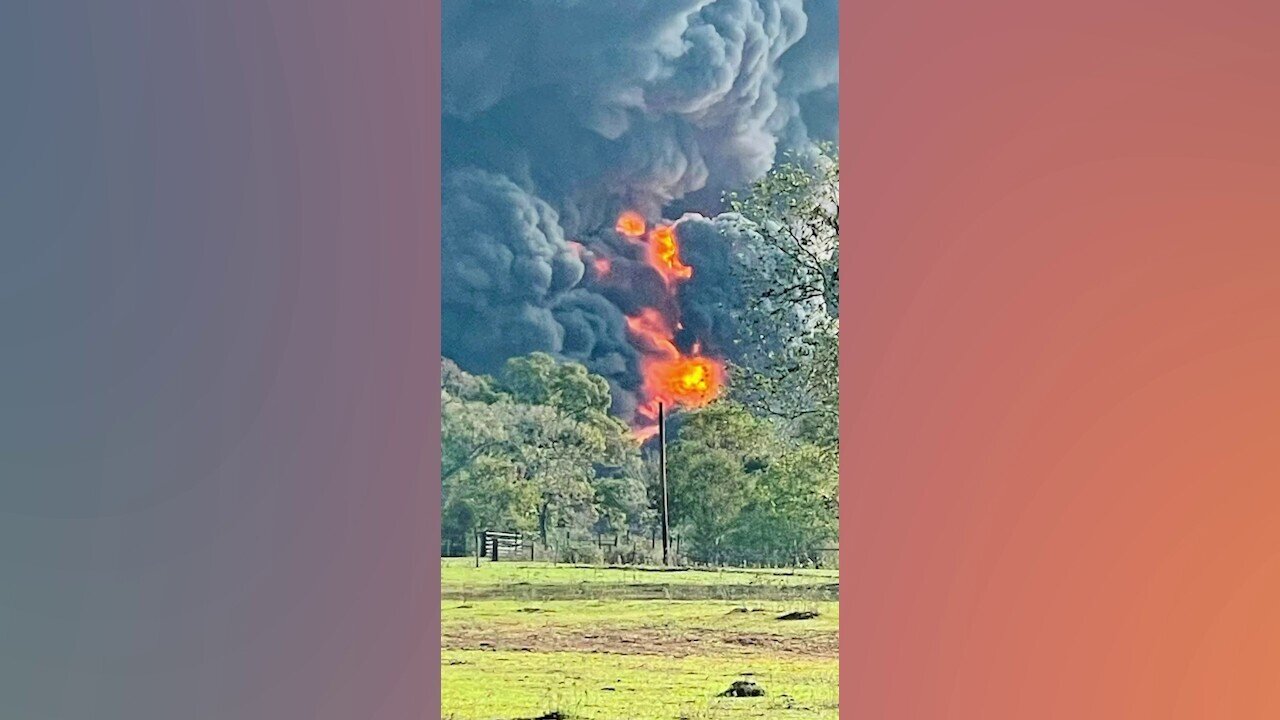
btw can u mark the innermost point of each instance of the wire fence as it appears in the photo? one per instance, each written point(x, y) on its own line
point(628, 547)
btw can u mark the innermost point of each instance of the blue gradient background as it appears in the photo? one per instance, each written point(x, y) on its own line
point(219, 332)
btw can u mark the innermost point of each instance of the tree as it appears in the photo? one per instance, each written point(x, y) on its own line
point(789, 258)
point(743, 492)
point(534, 448)
point(490, 493)
point(795, 208)
point(712, 469)
point(538, 379)
point(578, 469)
point(793, 514)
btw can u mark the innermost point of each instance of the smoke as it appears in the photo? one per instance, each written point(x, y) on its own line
point(560, 113)
point(595, 335)
point(710, 299)
point(505, 265)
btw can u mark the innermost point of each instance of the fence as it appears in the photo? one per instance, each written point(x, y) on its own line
point(624, 548)
point(494, 544)
point(563, 546)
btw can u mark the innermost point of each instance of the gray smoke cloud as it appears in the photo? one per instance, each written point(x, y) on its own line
point(709, 301)
point(505, 264)
point(557, 114)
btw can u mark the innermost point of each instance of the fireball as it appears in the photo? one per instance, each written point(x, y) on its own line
point(630, 224)
point(664, 255)
point(688, 381)
point(670, 376)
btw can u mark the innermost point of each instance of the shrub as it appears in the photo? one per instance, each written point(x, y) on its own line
point(579, 552)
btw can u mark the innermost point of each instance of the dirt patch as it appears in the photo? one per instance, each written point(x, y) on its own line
point(640, 641)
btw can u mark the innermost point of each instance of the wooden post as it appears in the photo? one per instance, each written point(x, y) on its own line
point(479, 547)
point(662, 479)
point(495, 549)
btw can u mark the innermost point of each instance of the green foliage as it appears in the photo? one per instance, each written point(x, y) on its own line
point(537, 379)
point(533, 450)
point(794, 512)
point(579, 552)
point(795, 209)
point(741, 492)
point(712, 469)
point(492, 494)
point(465, 386)
point(536, 451)
point(790, 259)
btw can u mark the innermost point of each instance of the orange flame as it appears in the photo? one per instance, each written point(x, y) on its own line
point(664, 255)
point(671, 377)
point(630, 224)
point(688, 381)
point(650, 326)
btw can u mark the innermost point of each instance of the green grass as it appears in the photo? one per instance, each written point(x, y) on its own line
point(461, 580)
point(618, 650)
point(491, 685)
point(458, 573)
point(711, 615)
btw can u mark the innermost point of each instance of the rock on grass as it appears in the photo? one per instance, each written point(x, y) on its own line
point(743, 688)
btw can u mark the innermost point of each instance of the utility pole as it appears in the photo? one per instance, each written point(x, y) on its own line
point(662, 479)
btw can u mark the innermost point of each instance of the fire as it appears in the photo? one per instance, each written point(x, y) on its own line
point(662, 245)
point(603, 266)
point(691, 381)
point(630, 224)
point(669, 376)
point(651, 327)
point(664, 255)
point(688, 381)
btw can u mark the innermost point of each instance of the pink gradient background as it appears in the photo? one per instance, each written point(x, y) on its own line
point(1061, 368)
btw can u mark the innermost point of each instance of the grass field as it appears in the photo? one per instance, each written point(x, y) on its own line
point(523, 640)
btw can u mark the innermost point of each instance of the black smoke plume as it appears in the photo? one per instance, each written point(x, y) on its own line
point(558, 114)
